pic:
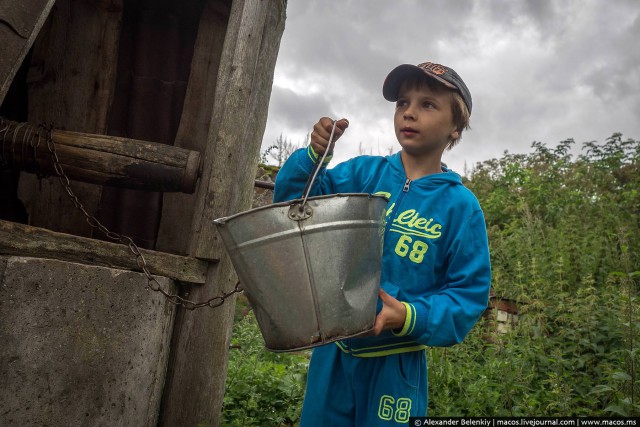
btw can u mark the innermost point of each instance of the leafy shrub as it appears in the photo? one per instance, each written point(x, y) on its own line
point(563, 236)
point(263, 388)
point(566, 356)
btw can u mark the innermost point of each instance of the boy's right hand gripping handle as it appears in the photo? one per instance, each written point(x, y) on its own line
point(318, 165)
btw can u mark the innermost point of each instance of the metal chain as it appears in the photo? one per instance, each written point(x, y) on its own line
point(152, 282)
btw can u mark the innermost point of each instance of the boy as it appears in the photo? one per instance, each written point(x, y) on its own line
point(435, 263)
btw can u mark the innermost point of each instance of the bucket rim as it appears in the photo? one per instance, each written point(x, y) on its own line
point(361, 334)
point(222, 221)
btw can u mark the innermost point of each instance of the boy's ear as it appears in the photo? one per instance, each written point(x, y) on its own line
point(454, 134)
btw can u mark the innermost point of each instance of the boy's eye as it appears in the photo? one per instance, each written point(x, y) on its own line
point(401, 103)
point(428, 104)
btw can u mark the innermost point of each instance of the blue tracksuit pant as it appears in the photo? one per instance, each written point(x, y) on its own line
point(348, 391)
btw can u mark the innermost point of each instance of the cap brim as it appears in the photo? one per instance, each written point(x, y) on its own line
point(392, 83)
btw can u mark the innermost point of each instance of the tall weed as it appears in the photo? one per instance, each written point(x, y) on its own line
point(263, 388)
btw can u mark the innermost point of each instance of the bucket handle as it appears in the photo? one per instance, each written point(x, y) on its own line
point(316, 169)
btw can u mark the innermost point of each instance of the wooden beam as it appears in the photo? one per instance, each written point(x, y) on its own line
point(195, 385)
point(101, 159)
point(20, 23)
point(24, 240)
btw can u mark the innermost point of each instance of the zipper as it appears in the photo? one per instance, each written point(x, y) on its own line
point(407, 183)
point(396, 208)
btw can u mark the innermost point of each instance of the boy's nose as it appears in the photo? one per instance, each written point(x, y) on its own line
point(408, 114)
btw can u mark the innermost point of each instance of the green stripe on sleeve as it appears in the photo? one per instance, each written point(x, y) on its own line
point(409, 321)
point(414, 317)
point(314, 156)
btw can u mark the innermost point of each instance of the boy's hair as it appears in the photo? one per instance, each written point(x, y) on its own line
point(459, 108)
point(461, 117)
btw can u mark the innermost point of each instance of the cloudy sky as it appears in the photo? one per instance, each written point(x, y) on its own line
point(538, 70)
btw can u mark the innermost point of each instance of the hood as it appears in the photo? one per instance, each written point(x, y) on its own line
point(446, 177)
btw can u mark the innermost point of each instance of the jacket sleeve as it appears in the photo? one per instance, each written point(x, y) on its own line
point(294, 174)
point(446, 317)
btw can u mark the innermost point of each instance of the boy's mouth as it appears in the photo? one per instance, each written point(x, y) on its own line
point(408, 130)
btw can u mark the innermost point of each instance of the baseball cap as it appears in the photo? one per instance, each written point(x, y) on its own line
point(445, 75)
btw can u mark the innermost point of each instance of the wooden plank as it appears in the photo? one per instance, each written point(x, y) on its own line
point(24, 240)
point(177, 208)
point(71, 82)
point(197, 369)
point(20, 23)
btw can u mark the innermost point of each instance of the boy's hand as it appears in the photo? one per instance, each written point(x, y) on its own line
point(322, 131)
point(392, 315)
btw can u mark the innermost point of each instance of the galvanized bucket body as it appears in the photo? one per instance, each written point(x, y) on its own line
point(312, 275)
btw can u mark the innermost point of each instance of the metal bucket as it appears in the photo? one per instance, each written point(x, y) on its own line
point(310, 268)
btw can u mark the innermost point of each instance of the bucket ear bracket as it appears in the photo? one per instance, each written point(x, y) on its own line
point(300, 212)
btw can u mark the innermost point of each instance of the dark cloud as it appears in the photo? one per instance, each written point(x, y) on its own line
point(537, 69)
point(614, 75)
point(291, 109)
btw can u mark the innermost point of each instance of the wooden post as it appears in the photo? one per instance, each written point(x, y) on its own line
point(197, 368)
point(174, 232)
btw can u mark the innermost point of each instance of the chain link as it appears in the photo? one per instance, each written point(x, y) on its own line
point(152, 282)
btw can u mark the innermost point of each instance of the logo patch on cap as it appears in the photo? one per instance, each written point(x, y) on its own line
point(434, 68)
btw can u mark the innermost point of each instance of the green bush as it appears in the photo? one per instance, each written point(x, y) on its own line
point(263, 388)
point(564, 244)
point(566, 356)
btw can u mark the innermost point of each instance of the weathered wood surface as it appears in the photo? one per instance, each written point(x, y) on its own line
point(71, 82)
point(23, 240)
point(143, 165)
point(20, 22)
point(177, 208)
point(196, 377)
point(101, 159)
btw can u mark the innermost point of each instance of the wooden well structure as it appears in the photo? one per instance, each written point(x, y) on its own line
point(156, 110)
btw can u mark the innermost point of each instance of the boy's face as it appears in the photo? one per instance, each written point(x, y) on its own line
point(423, 119)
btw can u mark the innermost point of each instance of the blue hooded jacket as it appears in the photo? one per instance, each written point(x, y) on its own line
point(435, 254)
